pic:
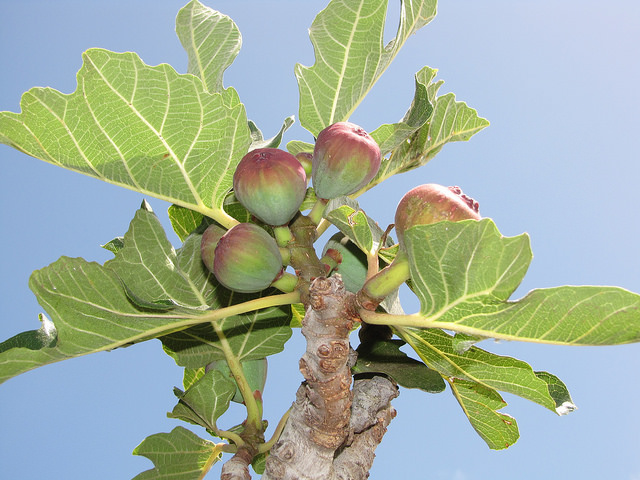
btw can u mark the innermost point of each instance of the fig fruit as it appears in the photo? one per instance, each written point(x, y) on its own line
point(271, 184)
point(208, 244)
point(247, 259)
point(431, 203)
point(345, 159)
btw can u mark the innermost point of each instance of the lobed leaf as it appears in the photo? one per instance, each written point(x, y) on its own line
point(148, 291)
point(154, 273)
point(496, 372)
point(145, 128)
point(258, 141)
point(90, 312)
point(205, 400)
point(347, 38)
point(251, 336)
point(465, 272)
point(449, 121)
point(184, 221)
point(390, 136)
point(481, 404)
point(178, 455)
point(212, 42)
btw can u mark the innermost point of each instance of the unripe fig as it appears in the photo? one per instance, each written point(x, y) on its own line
point(431, 203)
point(345, 159)
point(247, 259)
point(271, 184)
point(208, 244)
point(255, 371)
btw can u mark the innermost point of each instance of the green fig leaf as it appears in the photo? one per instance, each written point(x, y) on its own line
point(347, 38)
point(212, 42)
point(152, 270)
point(481, 404)
point(184, 221)
point(258, 140)
point(450, 121)
point(148, 291)
point(385, 356)
point(148, 129)
point(464, 273)
point(436, 348)
point(390, 136)
point(205, 400)
point(178, 454)
point(351, 220)
point(296, 146)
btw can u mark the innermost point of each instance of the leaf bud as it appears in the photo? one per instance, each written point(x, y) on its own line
point(247, 259)
point(271, 184)
point(431, 203)
point(345, 159)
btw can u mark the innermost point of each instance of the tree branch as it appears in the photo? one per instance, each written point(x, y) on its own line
point(326, 437)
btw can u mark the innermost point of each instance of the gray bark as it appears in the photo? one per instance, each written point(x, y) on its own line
point(332, 431)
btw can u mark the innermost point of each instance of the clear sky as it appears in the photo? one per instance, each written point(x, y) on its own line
point(559, 82)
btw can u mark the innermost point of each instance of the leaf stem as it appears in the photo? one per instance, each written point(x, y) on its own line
point(381, 284)
point(265, 447)
point(254, 414)
point(315, 215)
point(234, 437)
point(249, 306)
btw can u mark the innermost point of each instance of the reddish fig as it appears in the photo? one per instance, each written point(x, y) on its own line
point(345, 159)
point(431, 203)
point(208, 244)
point(247, 259)
point(271, 184)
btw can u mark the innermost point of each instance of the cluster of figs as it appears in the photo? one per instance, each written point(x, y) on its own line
point(272, 184)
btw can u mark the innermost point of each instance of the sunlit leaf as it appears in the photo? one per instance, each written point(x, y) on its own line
point(184, 221)
point(465, 272)
point(145, 128)
point(347, 38)
point(450, 121)
point(212, 42)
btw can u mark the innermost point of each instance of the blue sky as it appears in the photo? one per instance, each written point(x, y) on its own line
point(559, 83)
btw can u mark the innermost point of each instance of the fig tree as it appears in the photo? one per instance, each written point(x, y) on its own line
point(431, 203)
point(271, 184)
point(345, 159)
point(247, 259)
point(208, 244)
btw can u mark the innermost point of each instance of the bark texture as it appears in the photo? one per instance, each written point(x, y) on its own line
point(237, 467)
point(332, 430)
